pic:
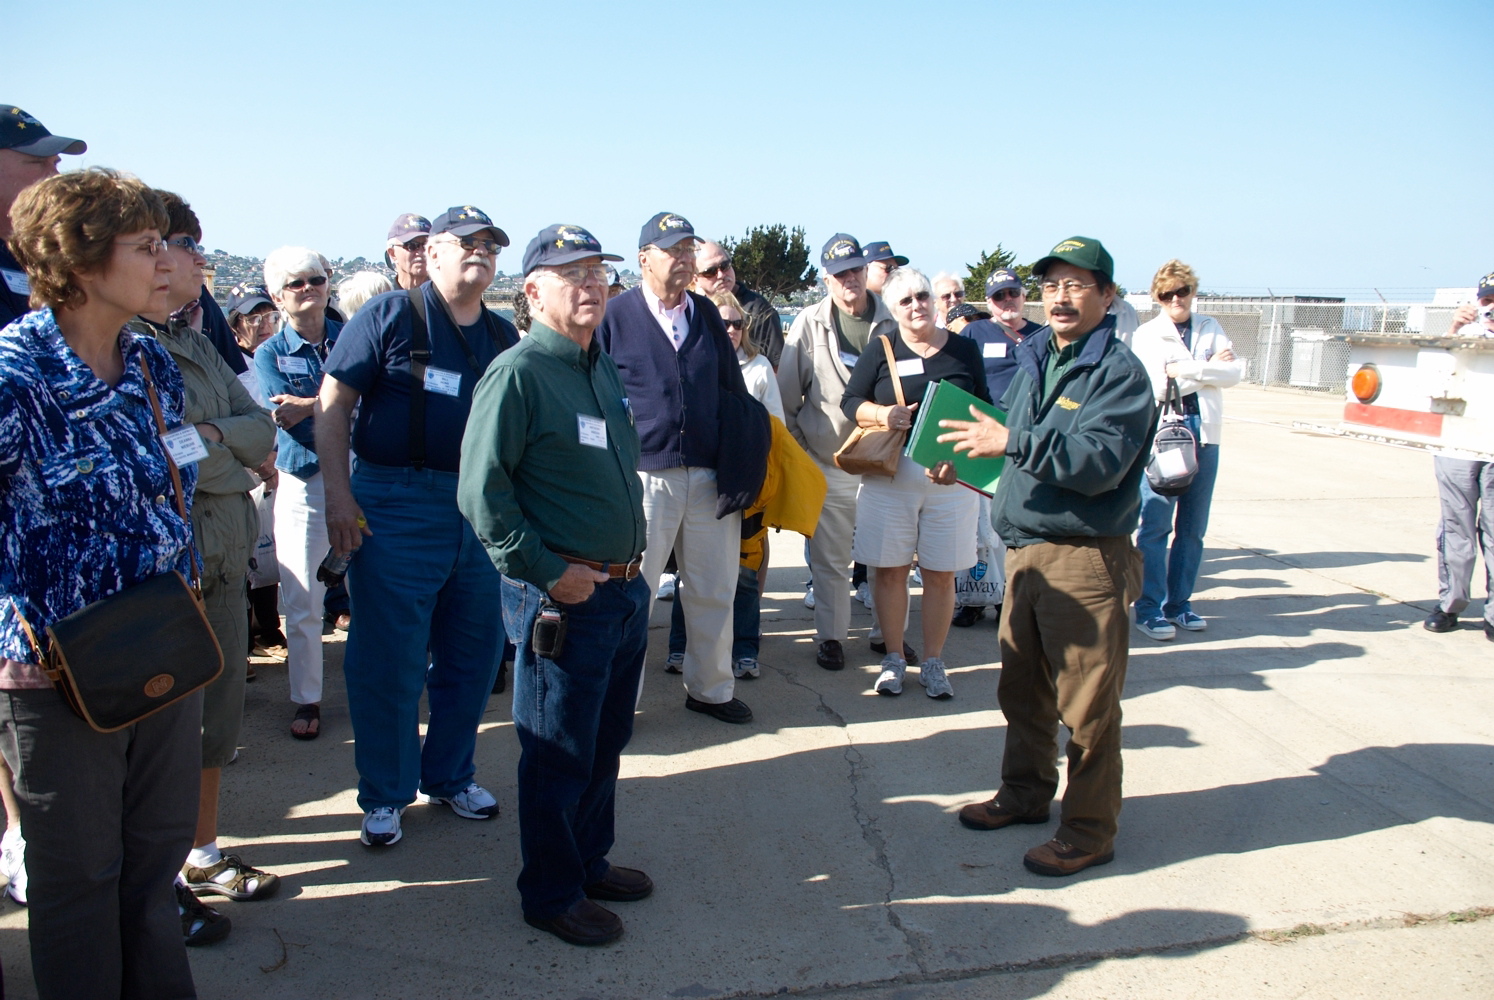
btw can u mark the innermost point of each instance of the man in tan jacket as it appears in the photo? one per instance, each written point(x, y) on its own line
point(821, 349)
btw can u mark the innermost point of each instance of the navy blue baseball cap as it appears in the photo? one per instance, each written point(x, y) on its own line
point(1486, 285)
point(24, 134)
point(407, 227)
point(1000, 280)
point(464, 220)
point(665, 230)
point(244, 299)
point(882, 250)
point(841, 253)
point(562, 244)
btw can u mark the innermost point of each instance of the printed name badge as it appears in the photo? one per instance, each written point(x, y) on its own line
point(17, 281)
point(447, 383)
point(185, 445)
point(593, 430)
point(912, 366)
point(993, 350)
point(848, 359)
point(292, 366)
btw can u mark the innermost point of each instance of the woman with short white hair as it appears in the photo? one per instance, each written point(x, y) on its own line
point(353, 292)
point(918, 511)
point(290, 375)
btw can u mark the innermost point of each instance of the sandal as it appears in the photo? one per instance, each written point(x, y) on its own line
point(312, 716)
point(232, 878)
point(201, 924)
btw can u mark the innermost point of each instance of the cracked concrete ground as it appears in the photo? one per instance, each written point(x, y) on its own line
point(1314, 759)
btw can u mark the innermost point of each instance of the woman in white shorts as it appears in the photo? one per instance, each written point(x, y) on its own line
point(919, 511)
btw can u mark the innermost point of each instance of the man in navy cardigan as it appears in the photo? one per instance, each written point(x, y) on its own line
point(676, 360)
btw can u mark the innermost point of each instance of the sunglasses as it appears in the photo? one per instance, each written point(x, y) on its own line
point(471, 243)
point(907, 300)
point(1005, 293)
point(315, 281)
point(1176, 293)
point(417, 245)
point(715, 269)
point(735, 324)
point(188, 244)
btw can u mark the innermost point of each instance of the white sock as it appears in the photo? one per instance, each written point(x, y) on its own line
point(205, 856)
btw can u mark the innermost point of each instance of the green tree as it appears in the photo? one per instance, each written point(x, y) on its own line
point(975, 283)
point(772, 260)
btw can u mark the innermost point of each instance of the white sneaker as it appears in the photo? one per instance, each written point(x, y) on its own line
point(472, 802)
point(674, 663)
point(809, 597)
point(746, 667)
point(918, 576)
point(891, 679)
point(13, 867)
point(935, 682)
point(381, 827)
point(864, 595)
point(667, 582)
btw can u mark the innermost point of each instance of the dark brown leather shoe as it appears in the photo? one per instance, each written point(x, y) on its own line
point(735, 710)
point(620, 885)
point(830, 655)
point(909, 655)
point(1058, 858)
point(585, 923)
point(990, 816)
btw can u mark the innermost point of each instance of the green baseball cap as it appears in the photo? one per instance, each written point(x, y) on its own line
point(1080, 251)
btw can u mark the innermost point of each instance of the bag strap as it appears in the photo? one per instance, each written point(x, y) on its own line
point(420, 356)
point(1172, 400)
point(897, 382)
point(176, 478)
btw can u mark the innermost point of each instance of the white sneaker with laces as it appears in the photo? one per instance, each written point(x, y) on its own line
point(13, 867)
point(667, 584)
point(809, 597)
point(472, 802)
point(674, 663)
point(864, 595)
point(934, 680)
point(381, 827)
point(746, 667)
point(891, 679)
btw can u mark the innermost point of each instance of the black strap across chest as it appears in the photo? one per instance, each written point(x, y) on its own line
point(420, 357)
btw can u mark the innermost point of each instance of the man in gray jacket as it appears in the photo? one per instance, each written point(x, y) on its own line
point(818, 355)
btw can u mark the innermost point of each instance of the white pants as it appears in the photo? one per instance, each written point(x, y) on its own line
point(830, 555)
point(301, 545)
point(680, 505)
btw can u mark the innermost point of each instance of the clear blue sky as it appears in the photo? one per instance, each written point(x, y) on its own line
point(1301, 146)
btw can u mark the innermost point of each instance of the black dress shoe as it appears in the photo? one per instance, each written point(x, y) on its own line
point(500, 683)
point(735, 710)
point(966, 616)
point(620, 885)
point(909, 656)
point(585, 923)
point(1440, 621)
point(830, 655)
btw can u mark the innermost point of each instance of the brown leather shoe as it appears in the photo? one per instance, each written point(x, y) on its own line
point(1058, 858)
point(585, 923)
point(620, 885)
point(830, 655)
point(990, 816)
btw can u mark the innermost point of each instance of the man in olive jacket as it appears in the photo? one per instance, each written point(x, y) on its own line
point(1080, 419)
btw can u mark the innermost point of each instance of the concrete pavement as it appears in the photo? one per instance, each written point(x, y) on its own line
point(1315, 761)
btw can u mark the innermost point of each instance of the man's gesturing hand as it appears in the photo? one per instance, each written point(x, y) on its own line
point(982, 437)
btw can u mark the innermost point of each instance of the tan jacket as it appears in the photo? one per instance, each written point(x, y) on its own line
point(812, 378)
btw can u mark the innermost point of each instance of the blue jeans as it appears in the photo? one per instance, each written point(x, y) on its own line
point(746, 613)
point(573, 716)
point(425, 602)
point(1168, 578)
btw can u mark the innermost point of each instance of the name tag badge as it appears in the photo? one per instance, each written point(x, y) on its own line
point(292, 365)
point(447, 383)
point(592, 430)
point(848, 359)
point(912, 366)
point(17, 281)
point(993, 350)
point(185, 445)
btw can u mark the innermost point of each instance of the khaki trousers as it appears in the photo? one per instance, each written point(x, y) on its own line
point(1065, 642)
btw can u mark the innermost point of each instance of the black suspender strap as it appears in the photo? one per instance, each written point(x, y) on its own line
point(420, 356)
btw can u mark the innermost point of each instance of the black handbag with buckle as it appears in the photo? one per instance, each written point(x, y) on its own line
point(133, 653)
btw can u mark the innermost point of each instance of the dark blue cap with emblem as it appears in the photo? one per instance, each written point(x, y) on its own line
point(407, 227)
point(882, 250)
point(24, 134)
point(841, 253)
point(1000, 280)
point(1486, 285)
point(244, 299)
point(464, 220)
point(665, 230)
point(562, 244)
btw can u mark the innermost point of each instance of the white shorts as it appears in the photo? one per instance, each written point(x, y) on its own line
point(898, 517)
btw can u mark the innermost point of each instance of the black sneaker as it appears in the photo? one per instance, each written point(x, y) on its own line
point(966, 616)
point(880, 648)
point(1440, 621)
point(201, 924)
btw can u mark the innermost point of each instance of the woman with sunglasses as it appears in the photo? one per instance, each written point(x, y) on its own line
point(919, 511)
point(1196, 351)
point(290, 375)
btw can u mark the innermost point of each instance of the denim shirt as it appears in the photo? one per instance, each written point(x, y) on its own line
point(87, 506)
point(289, 365)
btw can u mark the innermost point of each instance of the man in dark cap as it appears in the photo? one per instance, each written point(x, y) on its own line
point(714, 273)
point(880, 263)
point(28, 153)
point(404, 250)
point(1079, 428)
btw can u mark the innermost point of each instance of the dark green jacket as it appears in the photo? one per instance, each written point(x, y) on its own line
point(1075, 459)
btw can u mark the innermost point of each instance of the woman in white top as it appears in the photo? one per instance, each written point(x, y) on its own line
point(1196, 352)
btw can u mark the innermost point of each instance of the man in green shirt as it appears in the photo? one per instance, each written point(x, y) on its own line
point(549, 481)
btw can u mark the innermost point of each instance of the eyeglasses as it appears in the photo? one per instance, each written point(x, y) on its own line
point(734, 324)
point(680, 251)
point(155, 248)
point(1051, 288)
point(260, 319)
point(1176, 293)
point(417, 245)
point(957, 295)
point(471, 243)
point(907, 300)
point(188, 244)
point(1005, 293)
point(579, 274)
point(315, 281)
point(715, 269)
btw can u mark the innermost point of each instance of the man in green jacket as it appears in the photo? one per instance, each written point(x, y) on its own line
point(1080, 419)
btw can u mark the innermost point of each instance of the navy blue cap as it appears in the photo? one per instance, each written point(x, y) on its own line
point(882, 250)
point(665, 230)
point(24, 134)
point(1486, 285)
point(841, 253)
point(562, 244)
point(244, 299)
point(407, 227)
point(464, 220)
point(1000, 280)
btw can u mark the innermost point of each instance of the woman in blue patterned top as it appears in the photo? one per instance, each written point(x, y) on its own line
point(86, 510)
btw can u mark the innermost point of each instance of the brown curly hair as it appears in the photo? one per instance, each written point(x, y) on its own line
point(66, 225)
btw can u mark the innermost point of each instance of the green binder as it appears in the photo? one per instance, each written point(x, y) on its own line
point(946, 401)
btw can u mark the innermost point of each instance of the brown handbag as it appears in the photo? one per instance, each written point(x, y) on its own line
point(875, 451)
point(133, 653)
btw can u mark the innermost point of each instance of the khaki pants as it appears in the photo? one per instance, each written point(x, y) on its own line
point(1065, 642)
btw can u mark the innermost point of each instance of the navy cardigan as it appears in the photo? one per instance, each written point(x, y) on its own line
point(675, 395)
